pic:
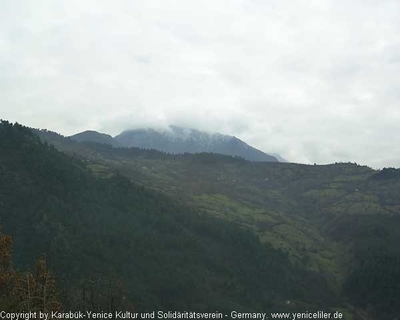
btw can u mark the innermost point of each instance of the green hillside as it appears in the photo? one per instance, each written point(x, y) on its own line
point(113, 243)
point(338, 220)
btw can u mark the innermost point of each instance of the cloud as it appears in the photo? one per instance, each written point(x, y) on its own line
point(315, 81)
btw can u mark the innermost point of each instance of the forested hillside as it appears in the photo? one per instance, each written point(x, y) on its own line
point(114, 243)
point(338, 220)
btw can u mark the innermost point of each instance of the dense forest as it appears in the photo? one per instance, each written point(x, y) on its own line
point(144, 230)
point(114, 244)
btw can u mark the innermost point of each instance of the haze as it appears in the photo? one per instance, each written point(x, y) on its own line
point(315, 81)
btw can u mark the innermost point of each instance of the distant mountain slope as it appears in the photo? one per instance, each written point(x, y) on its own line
point(94, 136)
point(184, 140)
point(279, 157)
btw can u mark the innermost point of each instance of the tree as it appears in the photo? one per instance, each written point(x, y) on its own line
point(7, 275)
point(29, 291)
point(37, 291)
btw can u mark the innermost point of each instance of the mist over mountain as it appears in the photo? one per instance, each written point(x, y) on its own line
point(279, 157)
point(179, 140)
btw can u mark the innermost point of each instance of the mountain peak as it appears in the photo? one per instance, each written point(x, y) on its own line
point(94, 136)
point(176, 139)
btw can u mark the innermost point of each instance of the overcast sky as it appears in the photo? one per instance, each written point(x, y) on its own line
point(314, 80)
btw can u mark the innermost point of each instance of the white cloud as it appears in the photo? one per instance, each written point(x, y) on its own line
point(315, 81)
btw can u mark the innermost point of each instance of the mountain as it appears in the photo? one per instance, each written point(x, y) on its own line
point(94, 136)
point(340, 220)
point(173, 215)
point(114, 244)
point(179, 140)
